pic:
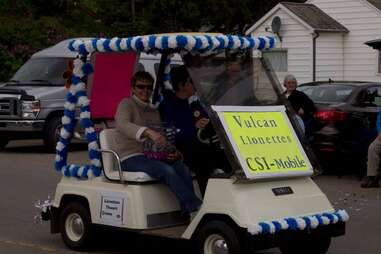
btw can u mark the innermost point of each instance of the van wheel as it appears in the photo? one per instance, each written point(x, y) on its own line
point(75, 226)
point(311, 244)
point(52, 133)
point(217, 237)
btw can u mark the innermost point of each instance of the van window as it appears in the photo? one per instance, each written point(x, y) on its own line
point(49, 70)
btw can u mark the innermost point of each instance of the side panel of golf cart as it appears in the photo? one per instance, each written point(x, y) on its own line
point(131, 206)
point(145, 206)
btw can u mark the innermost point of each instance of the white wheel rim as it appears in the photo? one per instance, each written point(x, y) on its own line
point(215, 244)
point(74, 227)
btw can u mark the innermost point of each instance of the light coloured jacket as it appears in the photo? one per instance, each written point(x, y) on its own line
point(132, 118)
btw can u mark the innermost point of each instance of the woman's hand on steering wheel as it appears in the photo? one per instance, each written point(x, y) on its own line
point(202, 123)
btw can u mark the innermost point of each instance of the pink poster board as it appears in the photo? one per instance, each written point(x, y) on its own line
point(111, 82)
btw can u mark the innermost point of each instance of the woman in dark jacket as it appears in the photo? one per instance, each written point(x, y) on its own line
point(301, 103)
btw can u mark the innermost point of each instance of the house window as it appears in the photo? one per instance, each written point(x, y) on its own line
point(277, 59)
point(379, 61)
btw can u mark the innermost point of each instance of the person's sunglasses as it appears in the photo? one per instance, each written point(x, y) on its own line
point(142, 87)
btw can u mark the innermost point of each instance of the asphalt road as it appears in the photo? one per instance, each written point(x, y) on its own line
point(27, 174)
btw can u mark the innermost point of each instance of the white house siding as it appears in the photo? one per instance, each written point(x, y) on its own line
point(364, 23)
point(297, 40)
point(329, 56)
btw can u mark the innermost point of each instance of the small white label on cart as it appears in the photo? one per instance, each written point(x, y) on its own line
point(112, 209)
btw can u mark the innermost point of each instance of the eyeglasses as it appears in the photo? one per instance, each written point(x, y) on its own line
point(142, 87)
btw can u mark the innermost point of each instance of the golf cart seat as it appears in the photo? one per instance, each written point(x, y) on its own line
point(111, 161)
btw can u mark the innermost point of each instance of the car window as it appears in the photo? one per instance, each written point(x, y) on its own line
point(327, 93)
point(371, 97)
point(377, 99)
point(49, 70)
point(306, 89)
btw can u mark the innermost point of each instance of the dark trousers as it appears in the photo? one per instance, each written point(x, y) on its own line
point(175, 175)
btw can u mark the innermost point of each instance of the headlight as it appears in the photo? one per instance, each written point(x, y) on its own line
point(30, 109)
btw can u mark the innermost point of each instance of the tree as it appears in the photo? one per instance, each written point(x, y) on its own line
point(30, 25)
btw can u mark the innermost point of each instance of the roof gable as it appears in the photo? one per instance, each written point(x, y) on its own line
point(308, 15)
point(315, 17)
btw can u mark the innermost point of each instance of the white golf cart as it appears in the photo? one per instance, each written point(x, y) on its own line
point(268, 200)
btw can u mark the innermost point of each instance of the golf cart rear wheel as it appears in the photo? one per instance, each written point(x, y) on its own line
point(217, 237)
point(75, 226)
point(311, 244)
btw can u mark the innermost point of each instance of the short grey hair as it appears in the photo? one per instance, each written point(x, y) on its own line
point(289, 77)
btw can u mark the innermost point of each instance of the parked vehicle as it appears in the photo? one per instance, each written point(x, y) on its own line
point(32, 102)
point(345, 121)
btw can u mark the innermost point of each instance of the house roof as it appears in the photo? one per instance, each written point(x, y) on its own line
point(315, 17)
point(375, 3)
point(308, 14)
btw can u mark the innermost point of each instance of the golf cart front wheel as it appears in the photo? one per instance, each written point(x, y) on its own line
point(217, 237)
point(75, 226)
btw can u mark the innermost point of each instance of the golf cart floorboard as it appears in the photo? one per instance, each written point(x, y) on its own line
point(170, 232)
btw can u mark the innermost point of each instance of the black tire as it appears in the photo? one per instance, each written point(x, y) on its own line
point(311, 244)
point(75, 226)
point(51, 133)
point(216, 235)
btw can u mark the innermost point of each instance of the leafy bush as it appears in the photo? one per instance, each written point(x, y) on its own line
point(8, 65)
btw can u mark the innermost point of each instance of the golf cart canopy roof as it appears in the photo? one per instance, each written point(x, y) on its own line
point(195, 43)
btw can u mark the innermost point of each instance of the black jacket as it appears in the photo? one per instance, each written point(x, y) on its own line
point(299, 100)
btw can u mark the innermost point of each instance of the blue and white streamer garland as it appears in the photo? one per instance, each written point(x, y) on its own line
point(200, 44)
point(166, 75)
point(77, 96)
point(197, 44)
point(298, 223)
